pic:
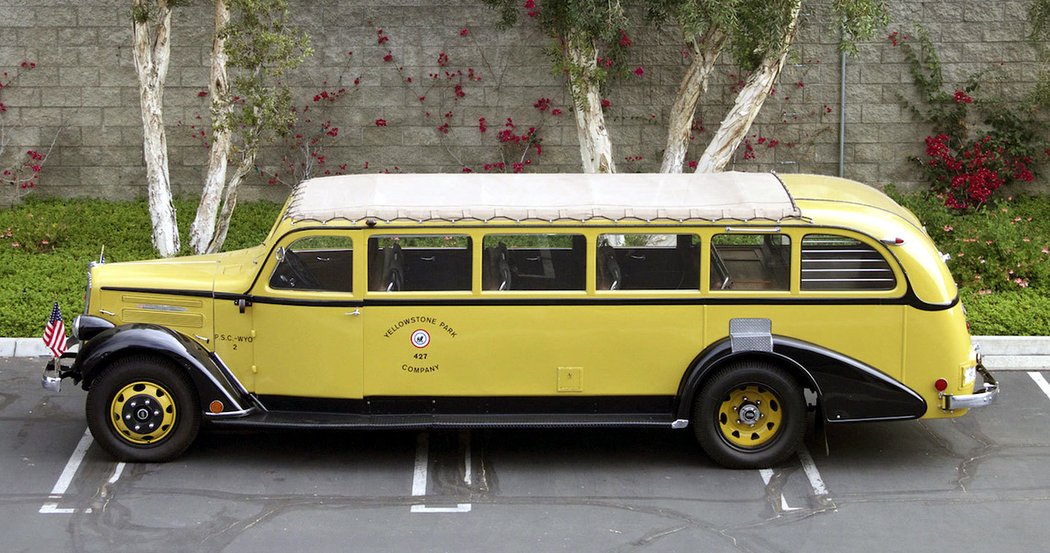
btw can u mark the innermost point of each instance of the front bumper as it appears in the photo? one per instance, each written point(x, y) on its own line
point(984, 396)
point(55, 371)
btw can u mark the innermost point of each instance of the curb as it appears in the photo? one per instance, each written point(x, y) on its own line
point(1013, 345)
point(23, 347)
point(1002, 353)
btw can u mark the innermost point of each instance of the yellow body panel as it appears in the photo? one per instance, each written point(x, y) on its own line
point(937, 349)
point(515, 350)
point(870, 334)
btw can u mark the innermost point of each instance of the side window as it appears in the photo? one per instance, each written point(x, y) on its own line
point(534, 262)
point(648, 262)
point(839, 263)
point(750, 262)
point(414, 263)
point(315, 263)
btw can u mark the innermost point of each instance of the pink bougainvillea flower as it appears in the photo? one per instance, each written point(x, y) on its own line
point(625, 41)
point(639, 71)
point(380, 123)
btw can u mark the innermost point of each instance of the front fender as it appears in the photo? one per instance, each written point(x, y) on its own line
point(212, 380)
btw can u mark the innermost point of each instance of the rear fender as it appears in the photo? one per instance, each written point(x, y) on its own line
point(720, 354)
point(847, 389)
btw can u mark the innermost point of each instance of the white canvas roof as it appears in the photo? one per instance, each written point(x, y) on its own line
point(542, 196)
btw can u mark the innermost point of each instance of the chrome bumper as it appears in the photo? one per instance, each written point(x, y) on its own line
point(985, 396)
point(54, 371)
point(51, 379)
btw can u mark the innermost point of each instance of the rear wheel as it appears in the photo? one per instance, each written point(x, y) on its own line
point(750, 415)
point(143, 409)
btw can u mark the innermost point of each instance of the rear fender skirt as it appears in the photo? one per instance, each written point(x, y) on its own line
point(212, 380)
point(847, 390)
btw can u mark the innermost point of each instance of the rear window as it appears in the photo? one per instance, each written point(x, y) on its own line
point(832, 262)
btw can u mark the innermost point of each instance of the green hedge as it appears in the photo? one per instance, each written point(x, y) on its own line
point(1000, 257)
point(45, 246)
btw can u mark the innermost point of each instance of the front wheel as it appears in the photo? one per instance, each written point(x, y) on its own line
point(142, 409)
point(750, 415)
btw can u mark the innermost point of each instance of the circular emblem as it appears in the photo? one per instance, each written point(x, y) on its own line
point(420, 338)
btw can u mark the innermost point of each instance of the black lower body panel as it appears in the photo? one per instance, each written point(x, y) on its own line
point(457, 412)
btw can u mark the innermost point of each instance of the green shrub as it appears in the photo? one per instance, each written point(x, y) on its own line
point(1020, 313)
point(1000, 257)
point(46, 244)
point(1001, 247)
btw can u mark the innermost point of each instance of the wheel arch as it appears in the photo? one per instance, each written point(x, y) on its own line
point(210, 380)
point(720, 354)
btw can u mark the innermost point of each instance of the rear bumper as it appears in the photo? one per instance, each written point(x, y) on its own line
point(982, 397)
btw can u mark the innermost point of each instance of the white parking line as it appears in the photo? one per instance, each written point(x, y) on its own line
point(468, 464)
point(1043, 384)
point(419, 479)
point(419, 475)
point(117, 471)
point(811, 472)
point(767, 475)
point(66, 477)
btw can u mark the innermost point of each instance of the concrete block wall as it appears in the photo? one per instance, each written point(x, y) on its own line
point(83, 93)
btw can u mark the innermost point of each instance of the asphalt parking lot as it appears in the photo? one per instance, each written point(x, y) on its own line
point(977, 483)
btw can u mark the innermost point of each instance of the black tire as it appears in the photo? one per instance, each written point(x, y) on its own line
point(135, 392)
point(769, 426)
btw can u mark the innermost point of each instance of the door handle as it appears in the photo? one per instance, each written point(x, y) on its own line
point(354, 313)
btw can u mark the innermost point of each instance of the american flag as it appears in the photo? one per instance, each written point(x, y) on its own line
point(55, 332)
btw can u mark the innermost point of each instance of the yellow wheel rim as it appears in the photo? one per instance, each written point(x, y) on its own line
point(750, 416)
point(143, 412)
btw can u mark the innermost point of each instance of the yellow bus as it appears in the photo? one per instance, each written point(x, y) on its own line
point(731, 304)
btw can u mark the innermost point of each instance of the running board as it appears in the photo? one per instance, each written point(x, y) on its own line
point(306, 420)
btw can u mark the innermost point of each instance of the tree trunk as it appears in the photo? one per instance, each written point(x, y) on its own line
point(229, 200)
point(748, 103)
point(694, 84)
point(595, 146)
point(203, 229)
point(151, 53)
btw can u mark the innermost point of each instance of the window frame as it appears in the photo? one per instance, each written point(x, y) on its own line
point(437, 232)
point(900, 277)
point(588, 235)
point(265, 273)
point(656, 231)
point(706, 260)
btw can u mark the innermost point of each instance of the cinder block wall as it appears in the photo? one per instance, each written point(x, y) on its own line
point(83, 93)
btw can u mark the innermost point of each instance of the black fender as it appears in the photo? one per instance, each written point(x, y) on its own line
point(210, 377)
point(847, 389)
point(719, 354)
